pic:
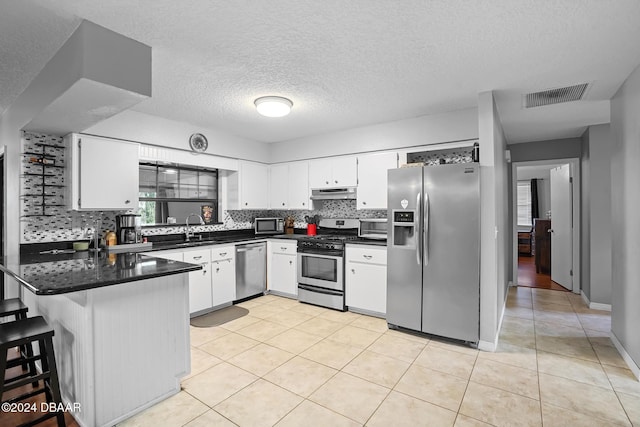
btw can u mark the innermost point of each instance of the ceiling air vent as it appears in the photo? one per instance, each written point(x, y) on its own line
point(555, 96)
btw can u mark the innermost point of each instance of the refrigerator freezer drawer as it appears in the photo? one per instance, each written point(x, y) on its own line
point(322, 297)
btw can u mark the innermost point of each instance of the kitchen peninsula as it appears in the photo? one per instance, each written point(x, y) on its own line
point(121, 326)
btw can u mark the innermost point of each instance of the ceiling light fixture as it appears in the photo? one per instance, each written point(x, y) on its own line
point(273, 106)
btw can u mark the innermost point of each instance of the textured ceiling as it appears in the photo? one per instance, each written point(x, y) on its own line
point(347, 64)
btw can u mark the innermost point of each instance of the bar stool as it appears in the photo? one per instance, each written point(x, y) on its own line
point(24, 332)
point(16, 308)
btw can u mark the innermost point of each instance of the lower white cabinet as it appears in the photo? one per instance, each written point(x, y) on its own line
point(282, 267)
point(200, 296)
point(366, 278)
point(223, 271)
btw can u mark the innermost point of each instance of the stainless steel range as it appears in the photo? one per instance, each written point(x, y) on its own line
point(321, 263)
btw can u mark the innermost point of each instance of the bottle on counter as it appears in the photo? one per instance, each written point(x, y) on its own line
point(110, 238)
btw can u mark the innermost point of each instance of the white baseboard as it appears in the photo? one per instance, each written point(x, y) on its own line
point(492, 346)
point(623, 352)
point(595, 305)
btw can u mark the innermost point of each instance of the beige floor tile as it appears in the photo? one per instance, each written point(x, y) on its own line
point(567, 346)
point(263, 330)
point(631, 405)
point(556, 329)
point(264, 310)
point(310, 414)
point(401, 410)
point(320, 327)
point(599, 338)
point(260, 359)
point(397, 347)
point(210, 419)
point(294, 341)
point(519, 302)
point(518, 339)
point(201, 361)
point(340, 316)
point(283, 302)
point(350, 396)
point(331, 353)
point(574, 369)
point(499, 407)
point(356, 337)
point(200, 336)
point(217, 383)
point(289, 318)
point(525, 313)
point(267, 298)
point(553, 416)
point(375, 324)
point(623, 380)
point(521, 357)
point(579, 397)
point(250, 303)
point(301, 376)
point(260, 404)
point(454, 346)
point(596, 322)
point(240, 323)
point(432, 386)
point(228, 345)
point(558, 318)
point(552, 307)
point(610, 356)
point(518, 324)
point(447, 361)
point(505, 377)
point(177, 410)
point(309, 309)
point(519, 292)
point(416, 337)
point(377, 368)
point(464, 421)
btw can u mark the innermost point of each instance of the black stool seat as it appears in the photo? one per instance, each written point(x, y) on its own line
point(21, 333)
point(13, 307)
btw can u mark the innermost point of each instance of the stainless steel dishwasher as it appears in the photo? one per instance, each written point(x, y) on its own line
point(251, 269)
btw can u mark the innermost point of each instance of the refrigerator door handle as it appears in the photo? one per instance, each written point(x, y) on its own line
point(417, 225)
point(425, 239)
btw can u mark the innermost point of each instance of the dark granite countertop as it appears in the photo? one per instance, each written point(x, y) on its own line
point(62, 273)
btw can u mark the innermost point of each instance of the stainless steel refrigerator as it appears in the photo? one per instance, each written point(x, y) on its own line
point(433, 250)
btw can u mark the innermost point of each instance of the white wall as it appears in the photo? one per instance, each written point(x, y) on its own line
point(145, 128)
point(424, 130)
point(625, 205)
point(495, 228)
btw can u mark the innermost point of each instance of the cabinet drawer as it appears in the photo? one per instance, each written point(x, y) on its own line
point(197, 257)
point(284, 247)
point(367, 255)
point(223, 252)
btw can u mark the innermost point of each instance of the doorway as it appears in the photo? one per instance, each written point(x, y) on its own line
point(542, 190)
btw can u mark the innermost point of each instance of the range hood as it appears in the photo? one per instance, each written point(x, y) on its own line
point(347, 193)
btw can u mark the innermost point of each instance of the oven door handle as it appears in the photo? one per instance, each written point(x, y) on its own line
point(319, 290)
point(313, 254)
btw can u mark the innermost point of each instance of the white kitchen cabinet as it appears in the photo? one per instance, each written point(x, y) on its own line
point(102, 173)
point(289, 185)
point(372, 179)
point(333, 172)
point(200, 295)
point(254, 185)
point(282, 267)
point(223, 270)
point(366, 279)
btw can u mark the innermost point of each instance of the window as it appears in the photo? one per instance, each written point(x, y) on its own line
point(524, 203)
point(169, 193)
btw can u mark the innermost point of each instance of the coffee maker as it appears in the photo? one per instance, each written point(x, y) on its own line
point(128, 229)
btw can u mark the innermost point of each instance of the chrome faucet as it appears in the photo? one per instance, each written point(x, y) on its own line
point(187, 231)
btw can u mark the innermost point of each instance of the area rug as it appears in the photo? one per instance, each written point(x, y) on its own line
point(219, 317)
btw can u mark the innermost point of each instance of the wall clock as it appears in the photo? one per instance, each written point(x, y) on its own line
point(198, 142)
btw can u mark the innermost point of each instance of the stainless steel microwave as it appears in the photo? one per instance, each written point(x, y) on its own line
point(373, 228)
point(269, 225)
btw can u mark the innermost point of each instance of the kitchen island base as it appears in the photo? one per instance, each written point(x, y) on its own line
point(122, 348)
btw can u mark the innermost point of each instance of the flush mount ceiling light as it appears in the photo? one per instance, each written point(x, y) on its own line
point(273, 106)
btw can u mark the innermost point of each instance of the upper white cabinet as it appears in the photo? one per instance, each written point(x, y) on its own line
point(254, 185)
point(289, 186)
point(333, 172)
point(372, 179)
point(102, 173)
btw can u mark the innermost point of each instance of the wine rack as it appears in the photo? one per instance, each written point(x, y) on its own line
point(45, 164)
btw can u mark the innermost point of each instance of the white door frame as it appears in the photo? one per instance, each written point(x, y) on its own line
point(574, 163)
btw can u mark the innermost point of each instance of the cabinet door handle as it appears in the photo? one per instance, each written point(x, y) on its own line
point(353, 270)
point(283, 248)
point(217, 269)
point(197, 257)
point(283, 204)
point(367, 256)
point(336, 181)
point(302, 203)
point(126, 202)
point(326, 182)
point(246, 203)
point(364, 203)
point(222, 253)
point(290, 262)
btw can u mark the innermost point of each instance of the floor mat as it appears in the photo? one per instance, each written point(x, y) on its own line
point(219, 317)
